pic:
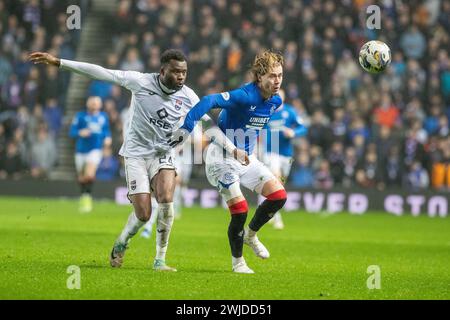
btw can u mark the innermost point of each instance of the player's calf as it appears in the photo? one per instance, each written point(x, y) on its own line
point(236, 227)
point(265, 211)
point(238, 212)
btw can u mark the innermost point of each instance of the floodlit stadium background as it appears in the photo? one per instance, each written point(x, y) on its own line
point(377, 144)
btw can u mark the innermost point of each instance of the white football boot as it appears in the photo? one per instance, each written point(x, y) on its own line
point(160, 265)
point(278, 221)
point(241, 267)
point(258, 248)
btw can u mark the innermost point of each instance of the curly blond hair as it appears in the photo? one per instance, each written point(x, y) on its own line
point(265, 62)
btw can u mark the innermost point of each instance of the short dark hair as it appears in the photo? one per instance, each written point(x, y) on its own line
point(172, 54)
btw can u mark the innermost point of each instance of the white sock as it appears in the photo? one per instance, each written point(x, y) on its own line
point(163, 227)
point(251, 233)
point(131, 228)
point(149, 225)
point(177, 200)
point(236, 261)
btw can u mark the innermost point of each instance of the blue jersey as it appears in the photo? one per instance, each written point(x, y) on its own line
point(98, 124)
point(244, 113)
point(284, 117)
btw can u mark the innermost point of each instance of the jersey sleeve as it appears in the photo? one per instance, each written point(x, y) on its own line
point(224, 100)
point(75, 126)
point(130, 80)
point(299, 128)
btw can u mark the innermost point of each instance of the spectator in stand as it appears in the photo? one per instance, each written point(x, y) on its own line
point(323, 179)
point(387, 114)
point(43, 154)
point(393, 167)
point(368, 171)
point(53, 117)
point(108, 168)
point(303, 174)
point(418, 177)
point(336, 159)
point(11, 165)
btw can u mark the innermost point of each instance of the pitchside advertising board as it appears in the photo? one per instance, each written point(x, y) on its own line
point(356, 201)
point(353, 201)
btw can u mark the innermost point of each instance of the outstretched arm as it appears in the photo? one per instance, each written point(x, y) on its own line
point(225, 100)
point(127, 79)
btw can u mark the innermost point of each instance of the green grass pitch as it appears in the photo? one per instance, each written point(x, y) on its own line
point(316, 257)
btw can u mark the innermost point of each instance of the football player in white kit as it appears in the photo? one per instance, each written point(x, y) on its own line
point(183, 163)
point(159, 101)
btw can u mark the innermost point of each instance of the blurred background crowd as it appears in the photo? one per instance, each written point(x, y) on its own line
point(364, 130)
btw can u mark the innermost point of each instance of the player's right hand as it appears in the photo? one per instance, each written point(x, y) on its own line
point(241, 156)
point(178, 137)
point(44, 57)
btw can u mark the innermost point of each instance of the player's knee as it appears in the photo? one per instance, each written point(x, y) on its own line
point(277, 199)
point(143, 211)
point(239, 208)
point(164, 196)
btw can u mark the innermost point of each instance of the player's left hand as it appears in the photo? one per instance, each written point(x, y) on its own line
point(241, 156)
point(177, 137)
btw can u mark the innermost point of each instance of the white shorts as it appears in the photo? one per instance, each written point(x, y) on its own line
point(278, 164)
point(222, 172)
point(139, 172)
point(93, 156)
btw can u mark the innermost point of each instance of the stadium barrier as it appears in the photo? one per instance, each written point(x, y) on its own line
point(355, 201)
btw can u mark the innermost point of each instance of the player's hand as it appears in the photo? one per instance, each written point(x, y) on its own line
point(288, 133)
point(241, 156)
point(44, 57)
point(107, 142)
point(177, 137)
point(84, 133)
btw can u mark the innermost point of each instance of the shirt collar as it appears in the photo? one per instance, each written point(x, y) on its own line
point(164, 88)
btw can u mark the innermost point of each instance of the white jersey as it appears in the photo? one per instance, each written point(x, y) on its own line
point(155, 111)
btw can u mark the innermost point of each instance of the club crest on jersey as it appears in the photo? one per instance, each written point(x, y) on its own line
point(133, 185)
point(225, 96)
point(178, 104)
point(272, 109)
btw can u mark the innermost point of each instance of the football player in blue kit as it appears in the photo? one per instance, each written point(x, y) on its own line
point(91, 130)
point(284, 126)
point(245, 112)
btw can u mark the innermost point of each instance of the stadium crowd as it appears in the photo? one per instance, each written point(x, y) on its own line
point(364, 130)
point(31, 98)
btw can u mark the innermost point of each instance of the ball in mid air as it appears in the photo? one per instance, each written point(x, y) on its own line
point(375, 56)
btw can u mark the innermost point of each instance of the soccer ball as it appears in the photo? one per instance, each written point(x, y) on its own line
point(374, 56)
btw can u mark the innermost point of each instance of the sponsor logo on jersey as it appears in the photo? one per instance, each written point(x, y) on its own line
point(160, 123)
point(252, 108)
point(257, 122)
point(162, 113)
